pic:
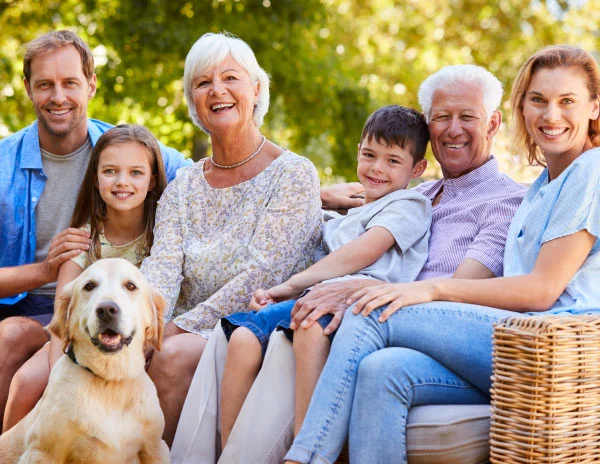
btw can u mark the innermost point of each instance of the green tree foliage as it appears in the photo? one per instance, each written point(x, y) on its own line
point(331, 62)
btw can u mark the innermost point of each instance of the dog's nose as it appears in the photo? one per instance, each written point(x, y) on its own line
point(107, 311)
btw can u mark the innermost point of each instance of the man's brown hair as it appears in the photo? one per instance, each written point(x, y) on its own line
point(56, 40)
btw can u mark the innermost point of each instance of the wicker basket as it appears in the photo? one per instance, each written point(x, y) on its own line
point(546, 390)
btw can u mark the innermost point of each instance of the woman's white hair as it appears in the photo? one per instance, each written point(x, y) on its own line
point(457, 75)
point(209, 51)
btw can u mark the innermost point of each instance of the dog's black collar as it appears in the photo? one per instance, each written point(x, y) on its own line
point(71, 354)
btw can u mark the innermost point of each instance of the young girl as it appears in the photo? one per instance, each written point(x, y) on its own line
point(116, 204)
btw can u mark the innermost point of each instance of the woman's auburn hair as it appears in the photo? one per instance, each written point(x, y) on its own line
point(556, 56)
point(91, 208)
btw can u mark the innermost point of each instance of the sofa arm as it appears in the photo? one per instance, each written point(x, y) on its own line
point(546, 390)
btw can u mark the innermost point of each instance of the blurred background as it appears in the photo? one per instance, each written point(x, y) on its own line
point(331, 62)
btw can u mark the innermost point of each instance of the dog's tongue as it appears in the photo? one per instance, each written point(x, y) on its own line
point(110, 338)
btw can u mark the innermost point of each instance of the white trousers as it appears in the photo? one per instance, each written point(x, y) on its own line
point(264, 429)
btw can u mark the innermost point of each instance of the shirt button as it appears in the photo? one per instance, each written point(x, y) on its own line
point(33, 199)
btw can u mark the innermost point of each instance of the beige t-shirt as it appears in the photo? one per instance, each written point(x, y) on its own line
point(134, 252)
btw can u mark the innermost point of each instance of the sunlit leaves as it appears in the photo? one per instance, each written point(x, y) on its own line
point(331, 62)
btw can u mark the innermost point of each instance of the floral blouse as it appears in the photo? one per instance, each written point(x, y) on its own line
point(214, 247)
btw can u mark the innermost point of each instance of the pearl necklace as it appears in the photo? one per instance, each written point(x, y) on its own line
point(244, 161)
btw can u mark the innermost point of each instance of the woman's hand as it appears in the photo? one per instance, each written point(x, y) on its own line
point(396, 296)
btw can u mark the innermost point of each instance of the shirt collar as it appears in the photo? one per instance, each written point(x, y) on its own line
point(455, 186)
point(31, 154)
point(93, 131)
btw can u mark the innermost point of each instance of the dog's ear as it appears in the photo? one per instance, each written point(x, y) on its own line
point(154, 332)
point(59, 325)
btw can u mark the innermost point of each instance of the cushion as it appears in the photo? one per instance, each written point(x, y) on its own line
point(448, 434)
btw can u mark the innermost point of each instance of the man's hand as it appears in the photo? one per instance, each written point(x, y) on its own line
point(329, 298)
point(66, 245)
point(342, 196)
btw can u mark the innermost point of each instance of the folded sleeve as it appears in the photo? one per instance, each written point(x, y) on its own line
point(578, 205)
point(407, 218)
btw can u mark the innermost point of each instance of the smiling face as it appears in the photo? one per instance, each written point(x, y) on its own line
point(384, 168)
point(124, 177)
point(60, 93)
point(557, 109)
point(461, 137)
point(109, 307)
point(224, 97)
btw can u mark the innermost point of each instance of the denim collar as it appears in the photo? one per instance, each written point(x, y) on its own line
point(31, 154)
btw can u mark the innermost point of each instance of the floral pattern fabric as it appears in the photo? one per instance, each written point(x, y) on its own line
point(214, 247)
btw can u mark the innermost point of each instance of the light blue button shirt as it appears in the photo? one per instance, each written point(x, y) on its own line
point(21, 184)
point(566, 205)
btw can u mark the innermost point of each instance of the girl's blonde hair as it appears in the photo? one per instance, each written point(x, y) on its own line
point(91, 208)
point(556, 56)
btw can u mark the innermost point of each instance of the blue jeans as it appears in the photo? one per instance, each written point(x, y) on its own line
point(38, 307)
point(448, 356)
point(390, 382)
point(277, 316)
point(261, 323)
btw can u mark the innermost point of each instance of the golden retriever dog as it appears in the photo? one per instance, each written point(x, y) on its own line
point(100, 406)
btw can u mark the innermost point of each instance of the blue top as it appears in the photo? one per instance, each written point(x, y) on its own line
point(21, 184)
point(555, 209)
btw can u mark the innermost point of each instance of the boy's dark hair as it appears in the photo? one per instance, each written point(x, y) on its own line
point(397, 125)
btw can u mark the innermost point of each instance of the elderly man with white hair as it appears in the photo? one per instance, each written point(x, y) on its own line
point(473, 205)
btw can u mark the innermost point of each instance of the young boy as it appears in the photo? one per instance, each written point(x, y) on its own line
point(386, 239)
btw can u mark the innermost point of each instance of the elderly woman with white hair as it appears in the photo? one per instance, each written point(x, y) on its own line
point(247, 217)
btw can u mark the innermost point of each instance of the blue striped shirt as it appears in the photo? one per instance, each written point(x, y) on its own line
point(471, 220)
